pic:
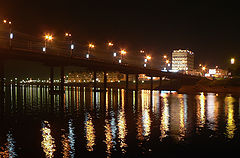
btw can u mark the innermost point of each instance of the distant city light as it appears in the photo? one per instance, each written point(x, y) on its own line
point(145, 65)
point(114, 54)
point(119, 61)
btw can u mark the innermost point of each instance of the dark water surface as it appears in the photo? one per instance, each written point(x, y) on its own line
point(33, 124)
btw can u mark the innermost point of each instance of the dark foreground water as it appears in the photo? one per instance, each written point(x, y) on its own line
point(34, 125)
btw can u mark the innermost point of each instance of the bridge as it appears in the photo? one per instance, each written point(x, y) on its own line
point(59, 54)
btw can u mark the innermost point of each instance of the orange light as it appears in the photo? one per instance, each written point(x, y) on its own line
point(110, 44)
point(4, 21)
point(164, 56)
point(167, 61)
point(148, 57)
point(203, 68)
point(48, 37)
point(123, 52)
point(91, 45)
point(68, 34)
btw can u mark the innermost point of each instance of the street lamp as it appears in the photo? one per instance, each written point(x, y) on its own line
point(110, 46)
point(90, 47)
point(68, 36)
point(146, 59)
point(122, 52)
point(48, 38)
point(10, 32)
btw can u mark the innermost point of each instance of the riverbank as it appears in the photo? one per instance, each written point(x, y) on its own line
point(213, 86)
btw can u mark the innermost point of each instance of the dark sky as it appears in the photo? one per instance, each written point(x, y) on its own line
point(210, 29)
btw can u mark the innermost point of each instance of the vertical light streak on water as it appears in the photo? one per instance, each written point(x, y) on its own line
point(89, 132)
point(109, 139)
point(201, 110)
point(164, 125)
point(48, 143)
point(71, 137)
point(146, 120)
point(212, 111)
point(231, 126)
point(182, 128)
point(122, 127)
point(11, 145)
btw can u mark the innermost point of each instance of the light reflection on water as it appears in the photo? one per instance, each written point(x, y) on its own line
point(48, 143)
point(118, 122)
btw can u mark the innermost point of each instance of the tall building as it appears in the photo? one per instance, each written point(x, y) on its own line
point(182, 60)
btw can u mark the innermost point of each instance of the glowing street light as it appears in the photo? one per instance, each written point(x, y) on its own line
point(48, 38)
point(123, 52)
point(148, 57)
point(10, 32)
point(68, 37)
point(90, 47)
point(165, 57)
point(232, 60)
point(68, 34)
point(110, 44)
point(203, 68)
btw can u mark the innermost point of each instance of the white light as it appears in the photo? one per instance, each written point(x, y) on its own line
point(145, 65)
point(87, 56)
point(145, 60)
point(72, 46)
point(11, 35)
point(119, 61)
point(44, 49)
point(114, 54)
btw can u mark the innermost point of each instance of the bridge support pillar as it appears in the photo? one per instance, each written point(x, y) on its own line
point(62, 90)
point(136, 82)
point(95, 87)
point(1, 86)
point(62, 80)
point(160, 83)
point(136, 92)
point(51, 87)
point(105, 81)
point(51, 79)
point(151, 91)
point(126, 82)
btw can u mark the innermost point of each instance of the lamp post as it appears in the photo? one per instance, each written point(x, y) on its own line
point(69, 37)
point(90, 47)
point(122, 52)
point(47, 38)
point(146, 59)
point(10, 32)
point(110, 46)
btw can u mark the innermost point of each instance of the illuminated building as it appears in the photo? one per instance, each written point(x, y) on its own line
point(182, 60)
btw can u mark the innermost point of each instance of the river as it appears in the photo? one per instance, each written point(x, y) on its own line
point(119, 124)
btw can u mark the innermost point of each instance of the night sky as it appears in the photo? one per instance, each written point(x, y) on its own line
point(210, 29)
